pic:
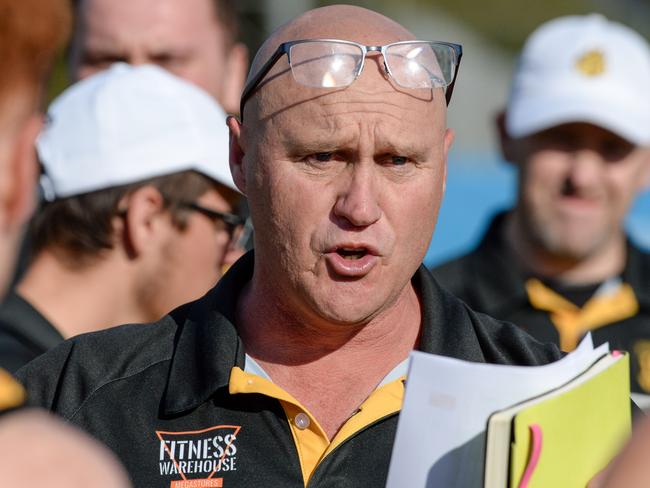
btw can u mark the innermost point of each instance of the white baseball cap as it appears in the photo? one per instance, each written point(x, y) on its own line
point(582, 69)
point(129, 124)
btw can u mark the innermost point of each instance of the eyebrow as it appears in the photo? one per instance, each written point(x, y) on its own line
point(321, 137)
point(418, 152)
point(101, 46)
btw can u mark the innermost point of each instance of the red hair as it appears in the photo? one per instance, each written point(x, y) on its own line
point(31, 33)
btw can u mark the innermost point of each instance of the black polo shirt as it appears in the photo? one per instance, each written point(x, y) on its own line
point(174, 399)
point(488, 280)
point(24, 333)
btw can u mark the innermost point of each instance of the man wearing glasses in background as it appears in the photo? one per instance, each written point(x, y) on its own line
point(290, 372)
point(138, 217)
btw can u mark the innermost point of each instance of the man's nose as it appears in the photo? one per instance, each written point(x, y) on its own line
point(586, 167)
point(138, 58)
point(357, 202)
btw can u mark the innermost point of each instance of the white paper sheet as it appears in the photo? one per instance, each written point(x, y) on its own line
point(440, 439)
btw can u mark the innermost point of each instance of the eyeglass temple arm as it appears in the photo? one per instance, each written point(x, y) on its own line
point(229, 218)
point(255, 80)
point(450, 88)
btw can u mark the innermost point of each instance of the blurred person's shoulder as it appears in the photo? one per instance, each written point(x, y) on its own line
point(12, 394)
point(453, 328)
point(65, 377)
point(452, 274)
point(25, 333)
point(485, 277)
point(637, 272)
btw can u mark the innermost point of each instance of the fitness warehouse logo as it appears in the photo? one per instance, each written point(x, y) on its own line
point(195, 459)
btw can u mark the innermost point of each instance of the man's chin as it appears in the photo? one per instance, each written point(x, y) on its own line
point(574, 250)
point(346, 314)
point(345, 318)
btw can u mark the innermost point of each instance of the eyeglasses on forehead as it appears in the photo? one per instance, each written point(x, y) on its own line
point(334, 63)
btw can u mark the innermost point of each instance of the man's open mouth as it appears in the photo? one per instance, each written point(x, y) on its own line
point(352, 253)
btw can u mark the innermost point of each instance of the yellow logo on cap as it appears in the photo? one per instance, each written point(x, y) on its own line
point(592, 63)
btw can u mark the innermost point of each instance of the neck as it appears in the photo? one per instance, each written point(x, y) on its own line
point(80, 300)
point(606, 262)
point(330, 368)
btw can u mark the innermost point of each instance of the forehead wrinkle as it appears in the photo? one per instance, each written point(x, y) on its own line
point(333, 101)
point(364, 113)
point(321, 132)
point(405, 142)
point(383, 107)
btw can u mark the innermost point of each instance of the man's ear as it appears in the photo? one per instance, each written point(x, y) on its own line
point(236, 68)
point(645, 171)
point(236, 157)
point(505, 141)
point(450, 136)
point(645, 175)
point(145, 221)
point(17, 195)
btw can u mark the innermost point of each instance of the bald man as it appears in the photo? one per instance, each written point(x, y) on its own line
point(290, 372)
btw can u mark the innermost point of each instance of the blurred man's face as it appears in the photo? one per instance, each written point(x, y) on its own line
point(183, 36)
point(344, 188)
point(190, 260)
point(19, 125)
point(577, 182)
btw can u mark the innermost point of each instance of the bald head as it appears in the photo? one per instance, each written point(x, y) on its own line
point(278, 92)
point(334, 22)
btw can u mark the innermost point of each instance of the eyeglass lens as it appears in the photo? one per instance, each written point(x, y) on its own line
point(325, 64)
point(331, 64)
point(420, 65)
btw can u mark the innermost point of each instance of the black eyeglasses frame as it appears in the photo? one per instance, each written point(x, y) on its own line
point(285, 48)
point(231, 220)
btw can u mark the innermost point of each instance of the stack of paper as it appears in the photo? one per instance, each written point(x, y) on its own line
point(564, 437)
point(440, 439)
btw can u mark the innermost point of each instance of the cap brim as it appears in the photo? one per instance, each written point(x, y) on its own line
point(530, 115)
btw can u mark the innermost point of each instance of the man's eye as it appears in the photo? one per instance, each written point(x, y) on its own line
point(393, 160)
point(166, 59)
point(615, 150)
point(562, 140)
point(103, 60)
point(323, 157)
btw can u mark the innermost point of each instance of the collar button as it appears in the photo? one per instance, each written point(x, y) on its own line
point(302, 421)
